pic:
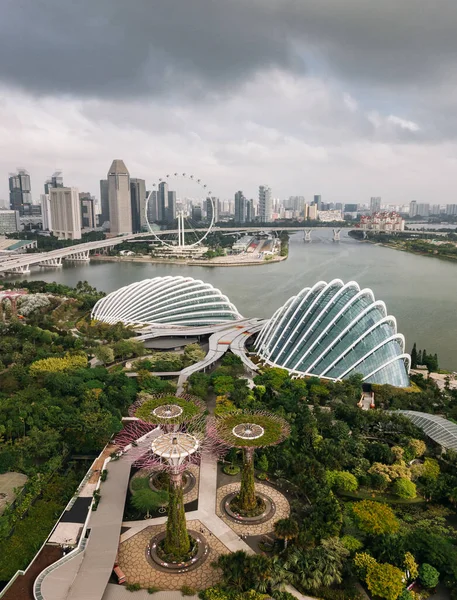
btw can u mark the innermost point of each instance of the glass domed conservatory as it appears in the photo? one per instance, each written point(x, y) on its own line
point(173, 301)
point(335, 330)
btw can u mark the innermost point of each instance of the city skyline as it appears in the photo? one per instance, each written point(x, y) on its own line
point(340, 108)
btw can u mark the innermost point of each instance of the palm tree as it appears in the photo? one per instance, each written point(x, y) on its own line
point(286, 529)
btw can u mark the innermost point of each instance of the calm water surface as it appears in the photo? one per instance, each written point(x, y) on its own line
point(421, 292)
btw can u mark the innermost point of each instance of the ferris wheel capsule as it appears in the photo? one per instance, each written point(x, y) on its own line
point(191, 176)
point(204, 185)
point(183, 174)
point(175, 174)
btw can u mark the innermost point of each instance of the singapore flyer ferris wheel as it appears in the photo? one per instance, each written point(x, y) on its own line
point(180, 210)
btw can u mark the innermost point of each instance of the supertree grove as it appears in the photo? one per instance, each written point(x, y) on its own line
point(248, 431)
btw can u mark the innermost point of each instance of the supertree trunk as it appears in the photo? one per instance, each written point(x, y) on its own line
point(177, 540)
point(247, 497)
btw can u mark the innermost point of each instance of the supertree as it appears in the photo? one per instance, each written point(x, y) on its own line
point(167, 411)
point(248, 431)
point(147, 447)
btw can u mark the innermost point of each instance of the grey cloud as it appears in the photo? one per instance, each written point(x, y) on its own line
point(116, 48)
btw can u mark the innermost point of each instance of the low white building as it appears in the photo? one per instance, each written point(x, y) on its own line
point(382, 221)
point(328, 216)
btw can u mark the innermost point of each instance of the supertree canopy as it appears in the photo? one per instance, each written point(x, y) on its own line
point(248, 431)
point(165, 410)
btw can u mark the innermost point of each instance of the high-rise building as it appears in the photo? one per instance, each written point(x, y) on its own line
point(65, 213)
point(312, 212)
point(56, 180)
point(9, 221)
point(250, 211)
point(318, 202)
point(451, 209)
point(138, 204)
point(45, 202)
point(162, 201)
point(196, 214)
point(171, 207)
point(212, 208)
point(412, 208)
point(20, 190)
point(104, 201)
point(152, 206)
point(375, 204)
point(87, 211)
point(435, 209)
point(240, 207)
point(351, 208)
point(423, 210)
point(265, 206)
point(120, 209)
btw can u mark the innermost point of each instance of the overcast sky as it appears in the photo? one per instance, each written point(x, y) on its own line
point(349, 99)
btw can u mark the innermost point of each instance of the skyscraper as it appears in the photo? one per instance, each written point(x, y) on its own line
point(265, 208)
point(120, 209)
point(104, 201)
point(138, 204)
point(87, 211)
point(250, 210)
point(318, 201)
point(162, 201)
point(210, 207)
point(56, 180)
point(65, 213)
point(171, 207)
point(20, 190)
point(413, 208)
point(240, 207)
point(152, 206)
point(45, 202)
point(375, 204)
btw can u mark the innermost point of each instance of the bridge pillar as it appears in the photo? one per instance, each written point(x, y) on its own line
point(51, 262)
point(307, 235)
point(336, 235)
point(23, 269)
point(82, 256)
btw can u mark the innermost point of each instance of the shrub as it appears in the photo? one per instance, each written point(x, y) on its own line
point(152, 589)
point(186, 590)
point(351, 543)
point(342, 481)
point(231, 469)
point(104, 475)
point(133, 587)
point(404, 488)
point(428, 576)
point(56, 365)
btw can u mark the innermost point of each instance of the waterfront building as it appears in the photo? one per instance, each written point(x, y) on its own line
point(435, 210)
point(120, 209)
point(265, 205)
point(240, 207)
point(45, 202)
point(104, 201)
point(382, 221)
point(20, 191)
point(451, 209)
point(65, 213)
point(375, 204)
point(9, 221)
point(138, 203)
point(242, 244)
point(87, 202)
point(413, 208)
point(174, 301)
point(329, 216)
point(335, 330)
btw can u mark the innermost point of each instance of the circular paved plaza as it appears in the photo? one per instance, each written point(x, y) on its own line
point(137, 569)
point(281, 504)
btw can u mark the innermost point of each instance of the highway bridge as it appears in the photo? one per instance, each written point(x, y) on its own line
point(81, 252)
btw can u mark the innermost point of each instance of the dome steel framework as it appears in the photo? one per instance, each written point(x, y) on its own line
point(334, 330)
point(174, 301)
